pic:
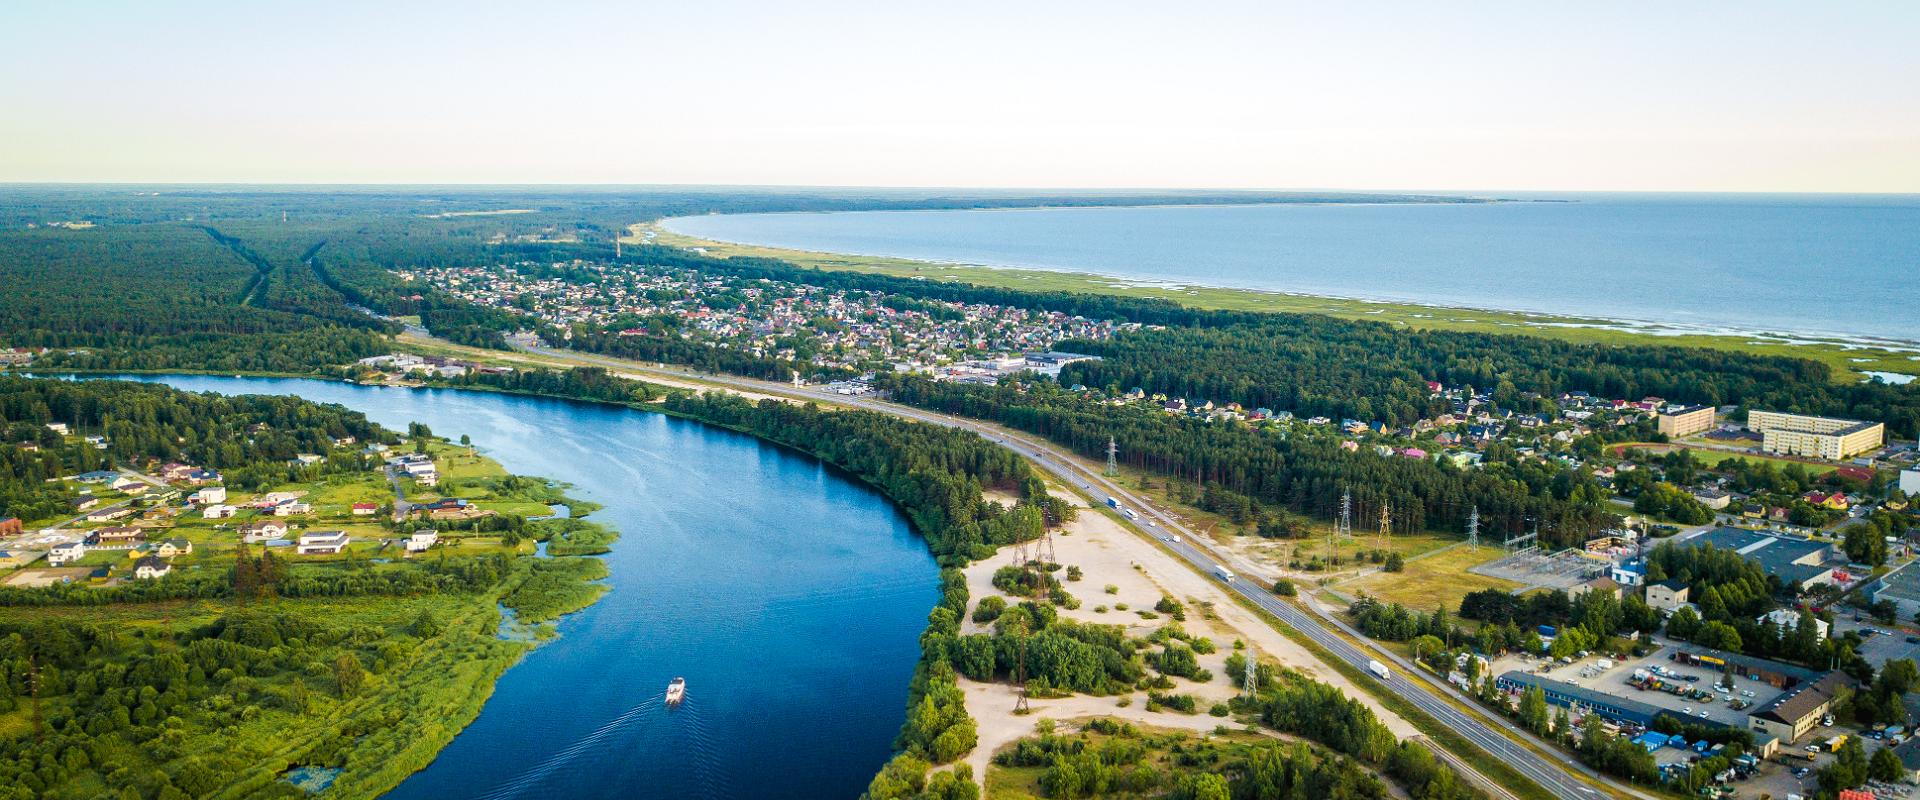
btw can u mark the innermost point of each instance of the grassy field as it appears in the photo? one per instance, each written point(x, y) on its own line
point(1432, 581)
point(1711, 458)
point(1836, 354)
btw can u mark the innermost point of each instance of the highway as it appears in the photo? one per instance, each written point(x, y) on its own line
point(1554, 773)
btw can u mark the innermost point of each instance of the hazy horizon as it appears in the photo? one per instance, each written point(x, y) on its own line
point(1497, 97)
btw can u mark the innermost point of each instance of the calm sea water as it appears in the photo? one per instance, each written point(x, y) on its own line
point(789, 596)
point(1845, 265)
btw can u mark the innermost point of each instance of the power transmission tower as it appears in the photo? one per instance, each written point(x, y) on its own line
point(1252, 680)
point(1386, 522)
point(1344, 527)
point(1020, 706)
point(1045, 555)
point(33, 684)
point(1473, 528)
point(1113, 458)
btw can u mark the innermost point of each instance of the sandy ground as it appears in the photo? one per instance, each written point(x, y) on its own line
point(1141, 573)
point(46, 576)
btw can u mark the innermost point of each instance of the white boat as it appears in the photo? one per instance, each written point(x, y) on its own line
point(676, 691)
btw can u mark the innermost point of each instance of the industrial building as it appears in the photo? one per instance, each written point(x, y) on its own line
point(1797, 712)
point(1800, 564)
point(1567, 695)
point(1910, 481)
point(1818, 437)
point(1679, 422)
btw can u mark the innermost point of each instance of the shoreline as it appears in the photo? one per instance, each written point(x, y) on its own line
point(1850, 356)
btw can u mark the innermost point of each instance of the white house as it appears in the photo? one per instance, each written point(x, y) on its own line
point(421, 540)
point(1788, 619)
point(151, 567)
point(321, 543)
point(265, 530)
point(124, 483)
point(66, 553)
point(290, 509)
point(218, 511)
point(209, 495)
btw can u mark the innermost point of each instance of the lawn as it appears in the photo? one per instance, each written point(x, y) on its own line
point(1712, 458)
point(1436, 580)
point(456, 463)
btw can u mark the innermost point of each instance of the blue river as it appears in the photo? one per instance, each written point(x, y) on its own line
point(788, 595)
point(1846, 265)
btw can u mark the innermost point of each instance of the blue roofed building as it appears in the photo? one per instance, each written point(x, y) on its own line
point(1800, 564)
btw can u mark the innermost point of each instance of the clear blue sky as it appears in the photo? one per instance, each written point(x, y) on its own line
point(1750, 96)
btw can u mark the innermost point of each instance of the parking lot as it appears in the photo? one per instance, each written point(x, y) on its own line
point(1588, 674)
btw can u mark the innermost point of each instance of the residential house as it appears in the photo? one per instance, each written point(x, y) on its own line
point(1834, 500)
point(208, 495)
point(321, 543)
point(292, 508)
point(67, 553)
point(1713, 498)
point(219, 511)
point(84, 502)
point(420, 541)
point(117, 535)
point(1603, 585)
point(150, 568)
point(1667, 595)
point(263, 531)
point(109, 514)
point(168, 548)
point(365, 509)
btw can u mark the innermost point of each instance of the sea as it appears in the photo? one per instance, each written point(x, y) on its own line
point(1827, 266)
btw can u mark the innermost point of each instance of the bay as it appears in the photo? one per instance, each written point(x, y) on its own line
point(1836, 265)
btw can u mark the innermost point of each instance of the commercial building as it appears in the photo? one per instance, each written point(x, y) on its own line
point(1817, 437)
point(1795, 713)
point(1910, 481)
point(1567, 695)
point(1800, 564)
point(1678, 422)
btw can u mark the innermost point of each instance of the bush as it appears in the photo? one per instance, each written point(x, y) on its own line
point(1183, 703)
point(989, 609)
point(1284, 588)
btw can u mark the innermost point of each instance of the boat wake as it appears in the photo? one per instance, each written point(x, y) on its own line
point(554, 762)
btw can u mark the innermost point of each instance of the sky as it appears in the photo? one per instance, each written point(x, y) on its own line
point(1631, 96)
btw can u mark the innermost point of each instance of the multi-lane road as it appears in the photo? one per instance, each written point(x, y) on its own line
point(1557, 774)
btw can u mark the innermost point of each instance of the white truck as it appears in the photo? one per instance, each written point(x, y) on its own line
point(1223, 573)
point(1378, 669)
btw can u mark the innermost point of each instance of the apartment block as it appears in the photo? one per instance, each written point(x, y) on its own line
point(1678, 422)
point(1817, 437)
